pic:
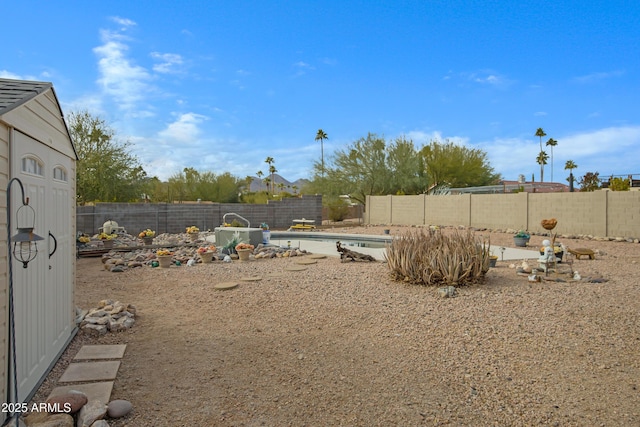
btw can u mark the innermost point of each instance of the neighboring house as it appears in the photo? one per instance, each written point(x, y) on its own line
point(35, 146)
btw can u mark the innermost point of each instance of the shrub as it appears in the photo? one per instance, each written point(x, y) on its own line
point(338, 210)
point(431, 258)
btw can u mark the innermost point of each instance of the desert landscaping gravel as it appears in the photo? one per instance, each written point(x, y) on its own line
point(341, 344)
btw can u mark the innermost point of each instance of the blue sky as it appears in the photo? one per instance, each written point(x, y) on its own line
point(222, 85)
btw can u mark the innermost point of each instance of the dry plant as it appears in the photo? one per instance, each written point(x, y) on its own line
point(432, 258)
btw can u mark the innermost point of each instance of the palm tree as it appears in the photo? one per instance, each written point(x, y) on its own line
point(571, 166)
point(260, 174)
point(540, 133)
point(272, 169)
point(552, 143)
point(542, 160)
point(321, 136)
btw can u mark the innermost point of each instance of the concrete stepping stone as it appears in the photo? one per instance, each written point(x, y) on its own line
point(317, 256)
point(97, 352)
point(251, 279)
point(295, 268)
point(90, 371)
point(306, 261)
point(94, 391)
point(225, 286)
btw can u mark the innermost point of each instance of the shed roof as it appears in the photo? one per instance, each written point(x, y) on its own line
point(14, 93)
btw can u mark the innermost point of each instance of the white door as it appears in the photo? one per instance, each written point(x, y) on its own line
point(43, 292)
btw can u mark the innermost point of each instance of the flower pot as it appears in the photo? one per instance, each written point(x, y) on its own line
point(266, 237)
point(194, 236)
point(521, 241)
point(243, 254)
point(147, 240)
point(165, 261)
point(492, 261)
point(108, 244)
point(206, 257)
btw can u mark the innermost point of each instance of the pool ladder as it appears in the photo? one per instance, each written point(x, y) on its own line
point(224, 218)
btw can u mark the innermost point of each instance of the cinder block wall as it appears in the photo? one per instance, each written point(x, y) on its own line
point(445, 209)
point(174, 218)
point(599, 213)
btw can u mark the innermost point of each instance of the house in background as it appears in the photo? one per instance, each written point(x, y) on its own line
point(36, 148)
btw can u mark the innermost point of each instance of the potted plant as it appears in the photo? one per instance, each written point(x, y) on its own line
point(206, 253)
point(266, 234)
point(164, 258)
point(244, 250)
point(193, 232)
point(492, 260)
point(107, 239)
point(147, 236)
point(521, 238)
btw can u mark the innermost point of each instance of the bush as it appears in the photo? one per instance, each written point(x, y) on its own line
point(338, 210)
point(433, 259)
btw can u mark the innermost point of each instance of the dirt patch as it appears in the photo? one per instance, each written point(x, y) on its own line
point(342, 344)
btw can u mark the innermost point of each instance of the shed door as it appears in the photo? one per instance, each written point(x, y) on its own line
point(43, 292)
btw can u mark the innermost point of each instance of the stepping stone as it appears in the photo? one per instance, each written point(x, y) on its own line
point(295, 268)
point(90, 371)
point(317, 256)
point(94, 391)
point(225, 285)
point(96, 352)
point(251, 279)
point(306, 261)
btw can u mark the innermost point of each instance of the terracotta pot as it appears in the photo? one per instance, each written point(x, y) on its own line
point(147, 240)
point(206, 257)
point(243, 254)
point(165, 261)
point(194, 236)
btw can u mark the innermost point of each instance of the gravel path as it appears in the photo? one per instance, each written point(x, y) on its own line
point(342, 344)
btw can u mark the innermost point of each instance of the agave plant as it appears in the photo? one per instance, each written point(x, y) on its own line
point(432, 258)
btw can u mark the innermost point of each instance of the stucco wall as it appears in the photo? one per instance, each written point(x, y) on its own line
point(599, 213)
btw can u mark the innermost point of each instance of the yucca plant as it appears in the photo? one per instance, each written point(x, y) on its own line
point(433, 258)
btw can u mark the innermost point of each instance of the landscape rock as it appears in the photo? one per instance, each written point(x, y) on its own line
point(118, 408)
point(45, 419)
point(100, 423)
point(74, 399)
point(91, 412)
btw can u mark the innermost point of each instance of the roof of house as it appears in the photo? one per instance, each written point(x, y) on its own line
point(14, 93)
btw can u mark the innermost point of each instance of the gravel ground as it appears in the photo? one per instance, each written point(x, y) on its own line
point(342, 344)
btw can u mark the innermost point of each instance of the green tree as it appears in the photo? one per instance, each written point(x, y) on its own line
point(321, 136)
point(590, 182)
point(570, 164)
point(407, 167)
point(619, 184)
point(540, 133)
point(542, 160)
point(454, 165)
point(106, 171)
point(552, 143)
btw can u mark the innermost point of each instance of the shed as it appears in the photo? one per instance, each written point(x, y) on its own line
point(35, 146)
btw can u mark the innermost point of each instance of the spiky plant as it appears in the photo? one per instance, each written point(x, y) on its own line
point(432, 258)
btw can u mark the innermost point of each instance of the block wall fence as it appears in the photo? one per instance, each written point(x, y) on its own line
point(174, 218)
point(600, 213)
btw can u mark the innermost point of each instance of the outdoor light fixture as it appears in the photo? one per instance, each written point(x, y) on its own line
point(24, 250)
point(25, 247)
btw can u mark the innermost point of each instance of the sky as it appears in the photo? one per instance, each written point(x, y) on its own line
point(222, 85)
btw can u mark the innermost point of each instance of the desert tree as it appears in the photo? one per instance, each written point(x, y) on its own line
point(542, 160)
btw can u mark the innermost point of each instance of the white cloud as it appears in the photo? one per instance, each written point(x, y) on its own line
point(4, 74)
point(123, 21)
point(168, 62)
point(594, 77)
point(184, 130)
point(124, 81)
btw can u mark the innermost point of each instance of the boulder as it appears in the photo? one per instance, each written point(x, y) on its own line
point(118, 408)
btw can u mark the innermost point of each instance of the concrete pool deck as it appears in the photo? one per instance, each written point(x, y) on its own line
point(315, 242)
